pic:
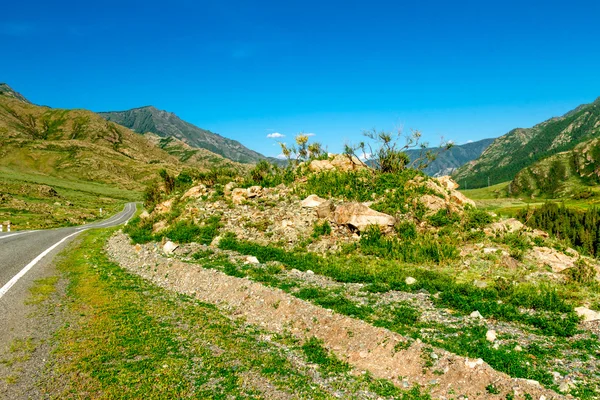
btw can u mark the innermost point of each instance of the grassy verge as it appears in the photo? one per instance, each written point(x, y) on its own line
point(129, 339)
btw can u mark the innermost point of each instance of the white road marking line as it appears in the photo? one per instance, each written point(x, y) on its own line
point(26, 269)
point(14, 234)
point(21, 273)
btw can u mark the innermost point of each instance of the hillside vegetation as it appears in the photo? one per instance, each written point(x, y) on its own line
point(570, 174)
point(521, 148)
point(397, 250)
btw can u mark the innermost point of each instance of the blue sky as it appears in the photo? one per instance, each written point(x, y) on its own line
point(462, 70)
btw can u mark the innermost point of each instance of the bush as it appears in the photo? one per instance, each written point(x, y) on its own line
point(476, 219)
point(581, 272)
point(321, 229)
point(443, 217)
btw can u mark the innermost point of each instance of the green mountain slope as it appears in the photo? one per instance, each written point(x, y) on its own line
point(450, 160)
point(166, 124)
point(521, 148)
point(76, 145)
point(567, 174)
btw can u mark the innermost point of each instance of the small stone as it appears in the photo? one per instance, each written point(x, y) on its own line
point(518, 348)
point(170, 247)
point(252, 260)
point(476, 314)
point(473, 363)
point(410, 280)
point(490, 335)
point(542, 397)
point(309, 272)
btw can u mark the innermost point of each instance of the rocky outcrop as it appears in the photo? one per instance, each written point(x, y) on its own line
point(195, 192)
point(510, 225)
point(359, 216)
point(339, 162)
point(553, 258)
point(445, 196)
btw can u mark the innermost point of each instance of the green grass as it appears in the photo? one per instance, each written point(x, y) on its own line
point(552, 320)
point(80, 201)
point(128, 339)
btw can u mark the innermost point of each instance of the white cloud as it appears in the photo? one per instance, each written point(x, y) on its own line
point(469, 141)
point(281, 156)
point(365, 156)
point(275, 135)
point(309, 134)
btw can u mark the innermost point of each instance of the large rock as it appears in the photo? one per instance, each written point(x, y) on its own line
point(238, 195)
point(460, 199)
point(325, 210)
point(339, 162)
point(553, 258)
point(447, 182)
point(587, 314)
point(359, 216)
point(433, 203)
point(312, 201)
point(229, 188)
point(510, 225)
point(195, 192)
point(254, 191)
point(164, 207)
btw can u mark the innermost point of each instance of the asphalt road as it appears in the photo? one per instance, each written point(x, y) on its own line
point(26, 256)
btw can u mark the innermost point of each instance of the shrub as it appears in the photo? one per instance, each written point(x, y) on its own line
point(321, 229)
point(476, 219)
point(581, 272)
point(443, 217)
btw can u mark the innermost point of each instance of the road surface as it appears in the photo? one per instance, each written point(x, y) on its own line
point(26, 256)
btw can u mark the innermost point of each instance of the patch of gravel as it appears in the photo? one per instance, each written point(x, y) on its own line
point(365, 347)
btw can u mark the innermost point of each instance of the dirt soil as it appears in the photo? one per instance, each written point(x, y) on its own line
point(365, 347)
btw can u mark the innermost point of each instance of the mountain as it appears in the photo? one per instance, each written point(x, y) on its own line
point(448, 161)
point(194, 156)
point(566, 174)
point(7, 91)
point(76, 145)
point(521, 148)
point(166, 124)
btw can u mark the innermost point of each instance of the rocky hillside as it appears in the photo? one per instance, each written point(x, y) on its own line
point(521, 148)
point(166, 124)
point(568, 174)
point(77, 145)
point(403, 252)
point(448, 161)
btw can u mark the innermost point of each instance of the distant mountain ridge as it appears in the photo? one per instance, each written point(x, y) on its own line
point(521, 148)
point(448, 161)
point(7, 91)
point(166, 124)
